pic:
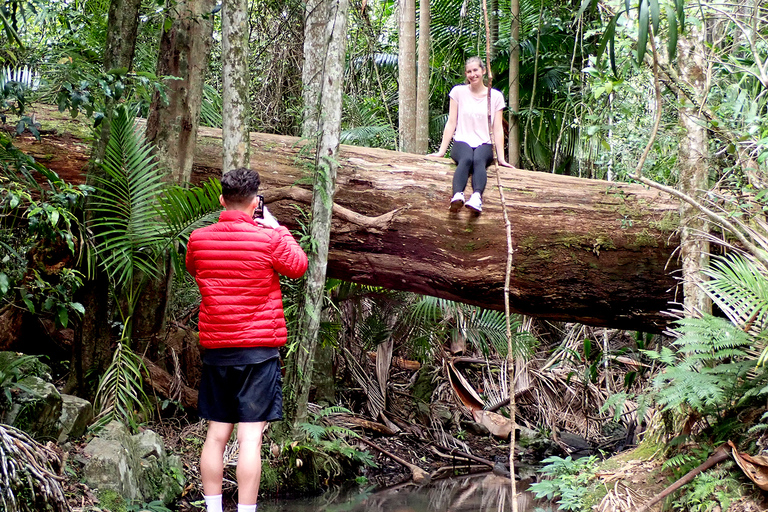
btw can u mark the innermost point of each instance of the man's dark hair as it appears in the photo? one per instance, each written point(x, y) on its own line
point(239, 186)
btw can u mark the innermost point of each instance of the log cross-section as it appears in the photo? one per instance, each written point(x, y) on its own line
point(589, 251)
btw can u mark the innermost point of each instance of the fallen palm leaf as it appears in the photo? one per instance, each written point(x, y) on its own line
point(496, 424)
point(464, 390)
point(754, 466)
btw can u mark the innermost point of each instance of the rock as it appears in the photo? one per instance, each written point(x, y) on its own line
point(525, 436)
point(475, 428)
point(108, 466)
point(35, 408)
point(76, 414)
point(575, 444)
point(136, 467)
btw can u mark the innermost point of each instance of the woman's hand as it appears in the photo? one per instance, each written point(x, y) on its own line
point(504, 163)
point(437, 153)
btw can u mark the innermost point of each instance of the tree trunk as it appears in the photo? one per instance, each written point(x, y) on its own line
point(91, 348)
point(586, 250)
point(694, 171)
point(421, 142)
point(326, 164)
point(234, 55)
point(315, 47)
point(514, 84)
point(183, 54)
point(406, 69)
point(172, 128)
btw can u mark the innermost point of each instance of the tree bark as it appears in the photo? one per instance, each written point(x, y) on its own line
point(315, 45)
point(172, 128)
point(514, 84)
point(183, 54)
point(421, 142)
point(406, 70)
point(326, 164)
point(234, 55)
point(694, 171)
point(586, 250)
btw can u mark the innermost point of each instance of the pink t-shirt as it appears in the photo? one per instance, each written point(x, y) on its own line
point(472, 121)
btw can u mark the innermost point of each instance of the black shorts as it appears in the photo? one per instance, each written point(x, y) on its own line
point(241, 394)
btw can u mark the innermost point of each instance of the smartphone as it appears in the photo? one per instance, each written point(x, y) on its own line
point(258, 213)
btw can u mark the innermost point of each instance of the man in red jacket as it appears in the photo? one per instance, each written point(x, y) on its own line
point(236, 263)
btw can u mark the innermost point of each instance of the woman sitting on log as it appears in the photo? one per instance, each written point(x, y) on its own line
point(468, 127)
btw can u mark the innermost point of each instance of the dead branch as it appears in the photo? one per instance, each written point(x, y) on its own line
point(418, 475)
point(162, 382)
point(379, 223)
point(718, 456)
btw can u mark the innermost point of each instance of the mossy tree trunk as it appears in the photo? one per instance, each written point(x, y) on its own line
point(421, 142)
point(172, 129)
point(694, 170)
point(326, 163)
point(514, 84)
point(234, 55)
point(406, 73)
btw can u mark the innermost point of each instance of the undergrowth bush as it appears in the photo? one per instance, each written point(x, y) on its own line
point(569, 480)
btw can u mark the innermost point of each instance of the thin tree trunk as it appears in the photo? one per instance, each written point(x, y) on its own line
point(315, 46)
point(327, 162)
point(693, 165)
point(234, 55)
point(421, 143)
point(406, 66)
point(514, 84)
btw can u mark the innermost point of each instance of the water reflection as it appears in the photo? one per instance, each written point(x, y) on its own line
point(478, 493)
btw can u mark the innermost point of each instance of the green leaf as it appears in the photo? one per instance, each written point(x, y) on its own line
point(63, 317)
point(642, 34)
point(672, 40)
point(680, 4)
point(4, 283)
point(584, 5)
point(654, 4)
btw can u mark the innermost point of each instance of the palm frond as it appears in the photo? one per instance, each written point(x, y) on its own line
point(183, 210)
point(120, 394)
point(740, 289)
point(126, 226)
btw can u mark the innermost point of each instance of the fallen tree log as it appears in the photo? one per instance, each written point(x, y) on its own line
point(589, 251)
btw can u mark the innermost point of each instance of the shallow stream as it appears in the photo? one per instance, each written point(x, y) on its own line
point(477, 493)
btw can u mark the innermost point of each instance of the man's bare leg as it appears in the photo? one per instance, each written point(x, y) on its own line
point(212, 457)
point(249, 437)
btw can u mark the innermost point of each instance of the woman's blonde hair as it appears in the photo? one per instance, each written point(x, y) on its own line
point(474, 60)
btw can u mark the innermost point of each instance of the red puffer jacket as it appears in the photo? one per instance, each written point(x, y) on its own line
point(236, 264)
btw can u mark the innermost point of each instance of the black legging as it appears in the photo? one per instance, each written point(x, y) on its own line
point(468, 158)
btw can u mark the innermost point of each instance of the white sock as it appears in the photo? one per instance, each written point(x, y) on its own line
point(213, 503)
point(246, 508)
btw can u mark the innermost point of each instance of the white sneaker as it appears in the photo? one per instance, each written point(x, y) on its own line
point(475, 202)
point(457, 202)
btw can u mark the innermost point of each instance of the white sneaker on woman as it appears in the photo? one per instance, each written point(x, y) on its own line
point(457, 202)
point(475, 202)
